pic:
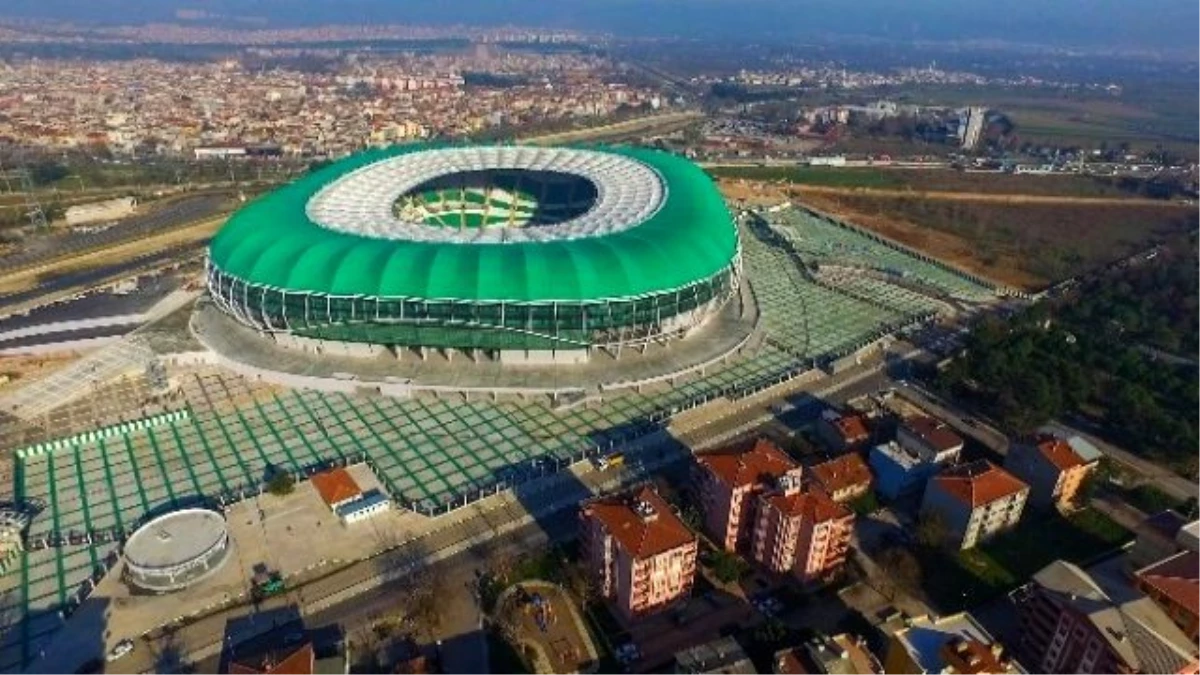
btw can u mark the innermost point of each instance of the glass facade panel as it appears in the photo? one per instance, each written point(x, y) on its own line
point(459, 324)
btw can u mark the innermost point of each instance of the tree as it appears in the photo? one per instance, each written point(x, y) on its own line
point(281, 484)
point(932, 530)
point(727, 567)
point(901, 570)
point(580, 584)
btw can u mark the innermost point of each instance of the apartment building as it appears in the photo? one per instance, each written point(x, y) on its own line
point(957, 643)
point(975, 501)
point(930, 439)
point(1070, 624)
point(728, 481)
point(843, 478)
point(1173, 584)
point(801, 532)
point(641, 556)
point(898, 471)
point(1054, 471)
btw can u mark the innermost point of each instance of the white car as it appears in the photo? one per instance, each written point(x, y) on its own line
point(119, 650)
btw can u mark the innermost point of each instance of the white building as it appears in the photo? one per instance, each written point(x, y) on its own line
point(976, 501)
point(363, 508)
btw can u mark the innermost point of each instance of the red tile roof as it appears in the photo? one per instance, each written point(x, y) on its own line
point(335, 486)
point(1176, 578)
point(747, 463)
point(841, 473)
point(810, 505)
point(301, 661)
point(788, 662)
point(934, 433)
point(640, 537)
point(851, 428)
point(978, 483)
point(1059, 453)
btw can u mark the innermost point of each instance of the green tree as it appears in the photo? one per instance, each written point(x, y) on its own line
point(728, 567)
point(281, 483)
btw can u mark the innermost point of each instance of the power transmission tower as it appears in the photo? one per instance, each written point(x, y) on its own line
point(33, 208)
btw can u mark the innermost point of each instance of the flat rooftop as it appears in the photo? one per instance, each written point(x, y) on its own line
point(175, 539)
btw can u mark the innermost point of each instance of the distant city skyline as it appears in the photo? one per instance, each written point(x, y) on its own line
point(1063, 23)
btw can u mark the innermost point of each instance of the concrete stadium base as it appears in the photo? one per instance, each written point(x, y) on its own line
point(543, 357)
point(575, 374)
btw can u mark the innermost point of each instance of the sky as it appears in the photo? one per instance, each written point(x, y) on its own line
point(1166, 24)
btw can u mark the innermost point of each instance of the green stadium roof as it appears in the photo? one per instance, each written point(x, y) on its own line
point(272, 242)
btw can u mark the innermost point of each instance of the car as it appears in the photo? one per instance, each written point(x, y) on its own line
point(119, 650)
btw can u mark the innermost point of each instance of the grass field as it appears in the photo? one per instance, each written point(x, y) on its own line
point(969, 578)
point(1144, 117)
point(1027, 245)
point(804, 175)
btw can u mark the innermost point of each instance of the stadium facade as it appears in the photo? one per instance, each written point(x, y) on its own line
point(532, 254)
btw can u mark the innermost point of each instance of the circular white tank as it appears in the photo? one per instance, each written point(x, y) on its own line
point(176, 550)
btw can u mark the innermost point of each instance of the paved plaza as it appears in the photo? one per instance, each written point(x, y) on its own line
point(216, 440)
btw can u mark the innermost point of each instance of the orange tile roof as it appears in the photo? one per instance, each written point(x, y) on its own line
point(968, 655)
point(841, 473)
point(335, 486)
point(809, 505)
point(851, 428)
point(1059, 453)
point(978, 483)
point(641, 538)
point(301, 661)
point(1176, 578)
point(935, 433)
point(744, 464)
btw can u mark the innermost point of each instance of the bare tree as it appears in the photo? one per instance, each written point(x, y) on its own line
point(508, 619)
point(932, 530)
point(580, 584)
point(901, 571)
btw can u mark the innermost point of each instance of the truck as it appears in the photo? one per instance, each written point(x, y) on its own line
point(266, 584)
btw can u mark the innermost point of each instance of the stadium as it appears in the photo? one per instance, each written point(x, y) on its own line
point(518, 253)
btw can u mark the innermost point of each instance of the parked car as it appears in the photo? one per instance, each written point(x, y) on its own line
point(119, 650)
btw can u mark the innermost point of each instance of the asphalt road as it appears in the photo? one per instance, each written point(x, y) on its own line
point(12, 302)
point(156, 219)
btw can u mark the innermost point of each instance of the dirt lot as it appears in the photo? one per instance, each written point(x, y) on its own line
point(1027, 241)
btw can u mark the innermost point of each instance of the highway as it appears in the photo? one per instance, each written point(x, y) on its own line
point(639, 125)
point(154, 219)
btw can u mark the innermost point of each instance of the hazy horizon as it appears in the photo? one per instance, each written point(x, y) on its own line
point(1123, 24)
